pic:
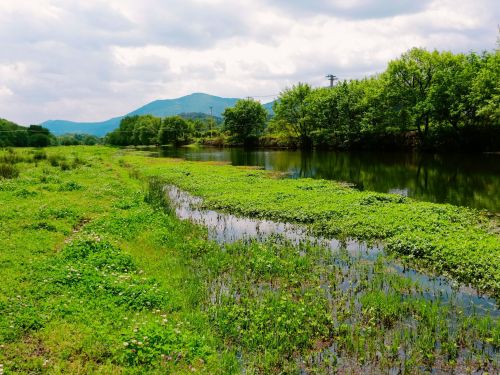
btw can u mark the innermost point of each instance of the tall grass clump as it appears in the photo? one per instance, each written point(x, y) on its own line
point(10, 156)
point(8, 171)
point(56, 160)
point(64, 162)
point(156, 195)
point(39, 155)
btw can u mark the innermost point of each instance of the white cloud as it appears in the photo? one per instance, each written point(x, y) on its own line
point(94, 59)
point(5, 91)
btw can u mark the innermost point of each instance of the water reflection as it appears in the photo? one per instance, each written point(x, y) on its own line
point(471, 180)
point(227, 228)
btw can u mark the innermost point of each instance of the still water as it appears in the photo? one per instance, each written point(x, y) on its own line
point(471, 180)
point(227, 228)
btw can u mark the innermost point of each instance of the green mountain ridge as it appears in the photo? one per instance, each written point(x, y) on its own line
point(194, 103)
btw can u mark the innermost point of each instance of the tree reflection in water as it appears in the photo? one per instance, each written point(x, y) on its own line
point(471, 180)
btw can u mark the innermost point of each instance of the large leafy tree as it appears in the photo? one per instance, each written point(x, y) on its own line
point(485, 89)
point(12, 134)
point(322, 107)
point(449, 90)
point(410, 79)
point(245, 121)
point(340, 114)
point(174, 130)
point(124, 135)
point(38, 136)
point(146, 130)
point(136, 130)
point(291, 110)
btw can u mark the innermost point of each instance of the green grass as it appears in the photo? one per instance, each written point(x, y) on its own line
point(457, 242)
point(74, 287)
point(98, 276)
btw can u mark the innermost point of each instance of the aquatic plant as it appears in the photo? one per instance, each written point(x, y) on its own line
point(444, 239)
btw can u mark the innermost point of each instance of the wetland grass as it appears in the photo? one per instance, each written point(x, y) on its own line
point(456, 242)
point(101, 276)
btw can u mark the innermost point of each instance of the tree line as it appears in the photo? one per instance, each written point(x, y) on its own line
point(152, 130)
point(14, 135)
point(424, 99)
point(242, 124)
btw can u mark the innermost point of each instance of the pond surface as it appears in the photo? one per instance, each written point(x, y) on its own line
point(471, 180)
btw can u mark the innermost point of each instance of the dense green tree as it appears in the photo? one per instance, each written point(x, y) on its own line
point(199, 127)
point(424, 99)
point(322, 105)
point(150, 130)
point(342, 113)
point(245, 121)
point(174, 130)
point(485, 89)
point(350, 108)
point(291, 111)
point(410, 79)
point(135, 130)
point(146, 130)
point(38, 136)
point(449, 89)
point(12, 134)
point(375, 106)
point(124, 135)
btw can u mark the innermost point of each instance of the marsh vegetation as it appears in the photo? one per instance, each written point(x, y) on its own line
point(470, 180)
point(100, 275)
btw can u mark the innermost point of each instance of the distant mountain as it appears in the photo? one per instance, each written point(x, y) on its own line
point(59, 127)
point(269, 107)
point(194, 103)
point(190, 103)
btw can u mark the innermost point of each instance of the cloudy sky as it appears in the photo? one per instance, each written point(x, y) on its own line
point(89, 60)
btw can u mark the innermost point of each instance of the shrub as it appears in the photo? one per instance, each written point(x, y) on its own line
point(56, 160)
point(8, 171)
point(39, 155)
point(70, 186)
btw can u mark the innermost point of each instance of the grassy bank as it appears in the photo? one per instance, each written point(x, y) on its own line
point(99, 276)
point(448, 240)
point(93, 278)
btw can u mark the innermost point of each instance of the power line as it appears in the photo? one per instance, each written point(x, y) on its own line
point(15, 131)
point(263, 96)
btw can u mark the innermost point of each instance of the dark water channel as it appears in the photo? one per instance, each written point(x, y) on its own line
point(227, 228)
point(471, 180)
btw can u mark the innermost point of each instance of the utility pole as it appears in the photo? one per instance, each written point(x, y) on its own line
point(331, 78)
point(211, 118)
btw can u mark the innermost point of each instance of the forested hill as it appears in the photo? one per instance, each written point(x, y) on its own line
point(194, 103)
